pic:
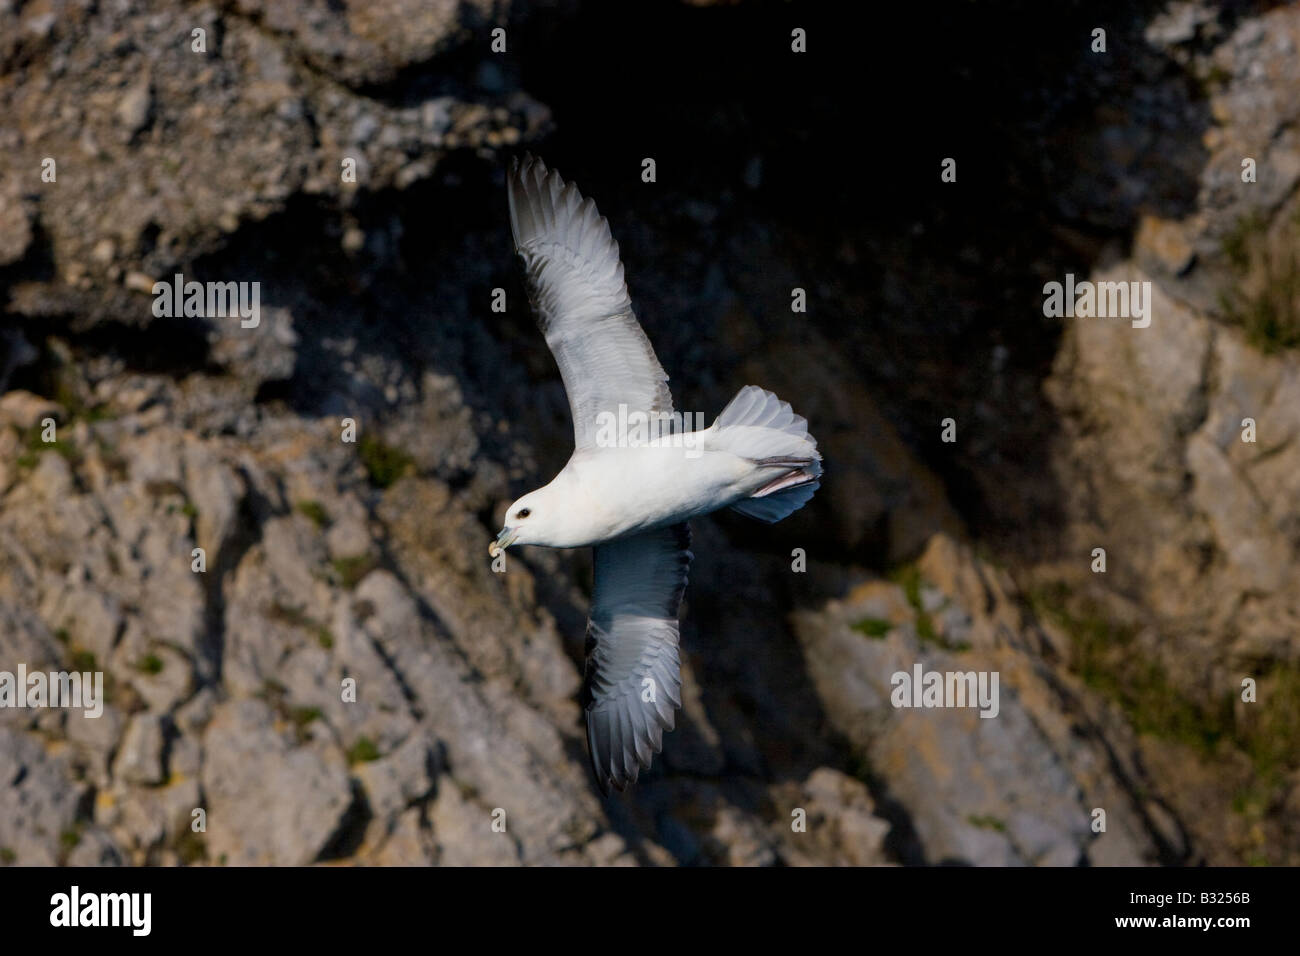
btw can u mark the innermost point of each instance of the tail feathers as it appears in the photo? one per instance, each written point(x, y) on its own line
point(759, 407)
point(759, 426)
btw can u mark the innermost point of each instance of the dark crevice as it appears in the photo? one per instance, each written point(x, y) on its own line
point(351, 832)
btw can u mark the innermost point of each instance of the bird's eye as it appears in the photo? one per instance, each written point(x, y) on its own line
point(523, 513)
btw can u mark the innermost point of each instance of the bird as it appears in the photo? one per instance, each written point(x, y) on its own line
point(630, 489)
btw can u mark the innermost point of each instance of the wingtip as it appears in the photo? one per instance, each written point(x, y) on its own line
point(521, 164)
point(602, 779)
point(609, 778)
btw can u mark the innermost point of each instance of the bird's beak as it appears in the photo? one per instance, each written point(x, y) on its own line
point(504, 540)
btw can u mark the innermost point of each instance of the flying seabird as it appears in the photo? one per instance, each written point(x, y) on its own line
point(629, 490)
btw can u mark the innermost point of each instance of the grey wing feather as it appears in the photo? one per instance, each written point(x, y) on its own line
point(575, 283)
point(632, 686)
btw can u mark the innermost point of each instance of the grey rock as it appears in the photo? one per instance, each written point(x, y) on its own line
point(133, 108)
point(24, 411)
point(269, 803)
point(216, 492)
point(96, 738)
point(988, 791)
point(140, 755)
point(462, 827)
point(1179, 22)
point(95, 848)
point(40, 800)
point(398, 780)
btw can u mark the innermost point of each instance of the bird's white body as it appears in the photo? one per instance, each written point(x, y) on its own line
point(626, 490)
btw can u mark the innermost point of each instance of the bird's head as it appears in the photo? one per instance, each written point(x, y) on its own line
point(527, 521)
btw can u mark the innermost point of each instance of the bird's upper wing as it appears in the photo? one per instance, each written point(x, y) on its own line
point(632, 686)
point(575, 283)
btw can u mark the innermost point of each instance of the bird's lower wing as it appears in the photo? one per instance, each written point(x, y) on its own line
point(632, 685)
point(575, 283)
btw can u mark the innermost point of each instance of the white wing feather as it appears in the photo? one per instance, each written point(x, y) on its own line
point(575, 283)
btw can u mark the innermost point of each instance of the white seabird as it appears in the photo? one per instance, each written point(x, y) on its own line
point(631, 500)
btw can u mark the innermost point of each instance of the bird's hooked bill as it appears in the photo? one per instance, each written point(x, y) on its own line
point(503, 541)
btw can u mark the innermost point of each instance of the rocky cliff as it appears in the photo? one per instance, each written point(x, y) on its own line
point(328, 562)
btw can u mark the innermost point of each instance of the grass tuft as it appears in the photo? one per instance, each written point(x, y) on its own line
point(363, 751)
point(384, 464)
point(351, 570)
point(873, 627)
point(316, 512)
point(1264, 299)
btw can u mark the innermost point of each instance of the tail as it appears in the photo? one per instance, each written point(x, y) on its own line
point(759, 426)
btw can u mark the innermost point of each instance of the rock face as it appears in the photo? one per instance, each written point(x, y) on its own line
point(1017, 787)
point(149, 145)
point(1178, 454)
point(271, 541)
